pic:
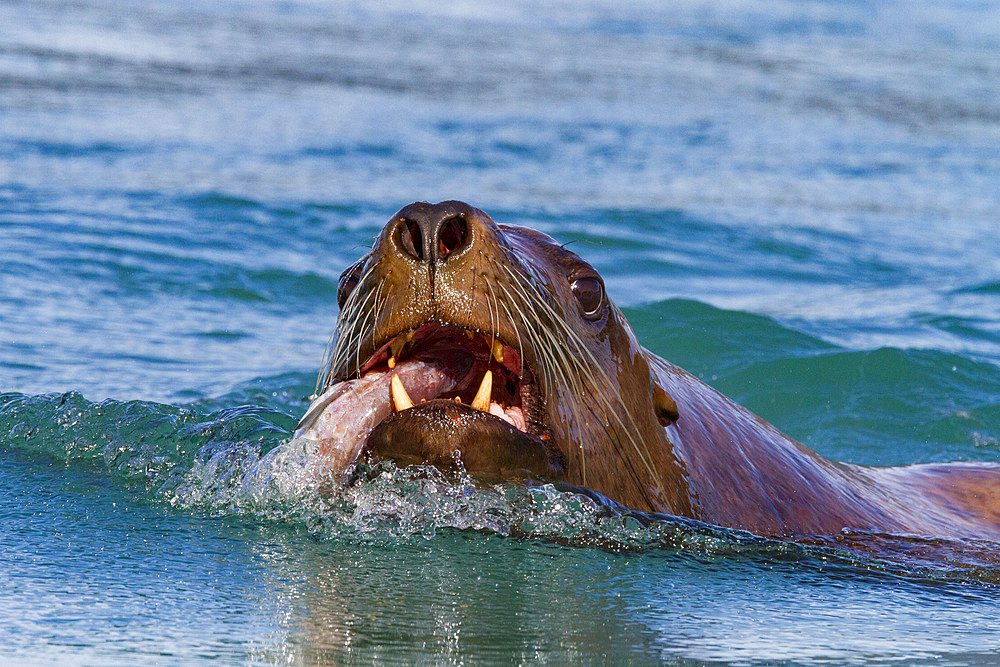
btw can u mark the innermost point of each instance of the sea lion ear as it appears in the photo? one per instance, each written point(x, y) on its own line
point(664, 406)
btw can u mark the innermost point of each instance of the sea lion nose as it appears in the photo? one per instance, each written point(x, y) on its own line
point(432, 232)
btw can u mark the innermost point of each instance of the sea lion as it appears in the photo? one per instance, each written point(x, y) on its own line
point(461, 339)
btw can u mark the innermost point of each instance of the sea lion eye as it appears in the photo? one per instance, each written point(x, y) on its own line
point(348, 281)
point(589, 293)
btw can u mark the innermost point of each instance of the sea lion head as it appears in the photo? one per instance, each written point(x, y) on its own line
point(459, 337)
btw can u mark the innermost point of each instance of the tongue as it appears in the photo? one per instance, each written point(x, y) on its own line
point(341, 419)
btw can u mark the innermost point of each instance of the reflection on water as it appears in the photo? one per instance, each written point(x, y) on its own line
point(357, 605)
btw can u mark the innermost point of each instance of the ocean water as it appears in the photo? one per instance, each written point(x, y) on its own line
point(796, 201)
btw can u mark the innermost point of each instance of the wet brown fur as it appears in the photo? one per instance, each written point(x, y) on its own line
point(630, 425)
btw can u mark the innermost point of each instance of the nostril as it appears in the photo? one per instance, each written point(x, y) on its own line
point(452, 236)
point(410, 238)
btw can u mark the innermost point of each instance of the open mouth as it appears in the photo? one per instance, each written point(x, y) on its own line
point(474, 369)
point(429, 392)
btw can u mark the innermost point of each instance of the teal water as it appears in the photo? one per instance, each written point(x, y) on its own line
point(796, 201)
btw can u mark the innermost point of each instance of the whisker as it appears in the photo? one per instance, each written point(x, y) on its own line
point(347, 329)
point(348, 314)
point(551, 360)
point(362, 333)
point(581, 351)
point(517, 330)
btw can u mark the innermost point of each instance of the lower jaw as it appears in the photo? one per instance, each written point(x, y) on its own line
point(445, 434)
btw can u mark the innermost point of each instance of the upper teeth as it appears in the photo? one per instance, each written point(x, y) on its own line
point(498, 351)
point(402, 401)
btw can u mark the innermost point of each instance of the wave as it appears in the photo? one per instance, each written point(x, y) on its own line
point(241, 460)
point(886, 406)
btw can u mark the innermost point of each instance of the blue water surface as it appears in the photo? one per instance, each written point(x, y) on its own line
point(796, 201)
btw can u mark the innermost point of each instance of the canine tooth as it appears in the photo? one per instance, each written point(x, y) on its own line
point(396, 347)
point(399, 396)
point(498, 351)
point(482, 399)
point(409, 335)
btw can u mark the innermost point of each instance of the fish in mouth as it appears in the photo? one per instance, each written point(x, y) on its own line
point(438, 394)
point(463, 341)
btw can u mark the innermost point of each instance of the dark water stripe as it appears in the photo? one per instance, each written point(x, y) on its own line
point(129, 254)
point(966, 328)
point(153, 274)
point(669, 242)
point(984, 288)
point(65, 149)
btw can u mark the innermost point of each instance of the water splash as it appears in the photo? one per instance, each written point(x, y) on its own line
point(242, 461)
